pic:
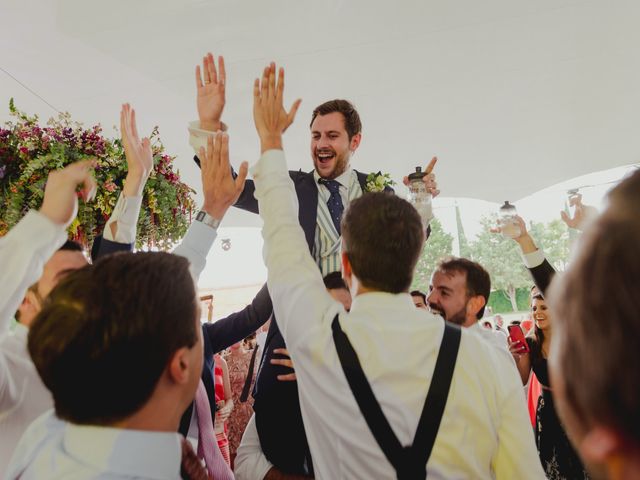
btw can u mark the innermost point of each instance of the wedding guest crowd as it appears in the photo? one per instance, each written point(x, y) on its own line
point(110, 374)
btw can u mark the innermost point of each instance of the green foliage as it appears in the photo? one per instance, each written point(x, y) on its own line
point(501, 257)
point(29, 151)
point(500, 303)
point(436, 247)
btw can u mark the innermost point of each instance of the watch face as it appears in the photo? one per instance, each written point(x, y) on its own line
point(201, 216)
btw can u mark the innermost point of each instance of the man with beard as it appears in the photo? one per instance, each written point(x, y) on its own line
point(459, 291)
point(323, 194)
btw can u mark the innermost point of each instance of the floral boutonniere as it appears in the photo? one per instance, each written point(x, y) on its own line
point(377, 182)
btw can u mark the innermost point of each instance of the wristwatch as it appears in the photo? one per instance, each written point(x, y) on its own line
point(207, 219)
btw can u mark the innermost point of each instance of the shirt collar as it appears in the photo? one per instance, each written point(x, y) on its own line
point(343, 179)
point(131, 453)
point(368, 300)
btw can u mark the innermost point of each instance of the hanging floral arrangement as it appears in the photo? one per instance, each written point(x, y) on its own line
point(28, 151)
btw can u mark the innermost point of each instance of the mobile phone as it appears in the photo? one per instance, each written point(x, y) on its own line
point(196, 160)
point(517, 335)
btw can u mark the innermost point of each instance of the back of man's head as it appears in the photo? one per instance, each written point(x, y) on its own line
point(352, 123)
point(477, 278)
point(383, 238)
point(106, 333)
point(596, 306)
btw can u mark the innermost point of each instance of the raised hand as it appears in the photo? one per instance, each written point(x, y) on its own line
point(269, 115)
point(210, 86)
point(60, 202)
point(581, 215)
point(138, 153)
point(429, 179)
point(219, 187)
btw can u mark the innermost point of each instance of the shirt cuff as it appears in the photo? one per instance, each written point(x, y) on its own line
point(44, 235)
point(271, 161)
point(533, 259)
point(125, 215)
point(198, 136)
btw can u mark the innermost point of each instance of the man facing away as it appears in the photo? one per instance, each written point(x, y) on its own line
point(23, 396)
point(596, 304)
point(384, 344)
point(323, 194)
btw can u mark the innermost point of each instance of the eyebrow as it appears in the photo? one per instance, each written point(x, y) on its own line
point(318, 132)
point(445, 289)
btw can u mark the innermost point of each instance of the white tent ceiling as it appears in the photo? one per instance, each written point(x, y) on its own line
point(511, 95)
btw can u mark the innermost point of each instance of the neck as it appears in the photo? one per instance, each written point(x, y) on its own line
point(153, 417)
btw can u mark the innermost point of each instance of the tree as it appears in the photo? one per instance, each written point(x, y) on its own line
point(438, 245)
point(500, 256)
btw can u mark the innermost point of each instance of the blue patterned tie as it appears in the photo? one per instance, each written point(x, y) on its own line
point(335, 201)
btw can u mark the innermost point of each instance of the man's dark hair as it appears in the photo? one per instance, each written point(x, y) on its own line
point(334, 281)
point(477, 278)
point(595, 305)
point(383, 238)
point(418, 293)
point(107, 331)
point(352, 122)
point(71, 246)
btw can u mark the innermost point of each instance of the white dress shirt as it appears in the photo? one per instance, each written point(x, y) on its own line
point(495, 338)
point(23, 253)
point(485, 431)
point(250, 462)
point(54, 449)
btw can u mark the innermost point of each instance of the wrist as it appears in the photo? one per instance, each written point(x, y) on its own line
point(215, 211)
point(526, 244)
point(270, 142)
point(134, 184)
point(210, 125)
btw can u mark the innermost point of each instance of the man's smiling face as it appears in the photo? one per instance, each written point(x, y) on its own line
point(331, 147)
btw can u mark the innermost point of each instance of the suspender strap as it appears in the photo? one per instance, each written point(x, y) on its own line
point(409, 462)
point(247, 382)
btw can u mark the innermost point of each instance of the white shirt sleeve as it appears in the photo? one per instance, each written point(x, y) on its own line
point(195, 246)
point(533, 259)
point(123, 220)
point(516, 455)
point(293, 278)
point(198, 136)
point(23, 253)
point(250, 462)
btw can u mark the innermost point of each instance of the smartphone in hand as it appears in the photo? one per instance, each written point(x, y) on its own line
point(516, 335)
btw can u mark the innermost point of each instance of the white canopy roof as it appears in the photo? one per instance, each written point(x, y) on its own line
point(511, 95)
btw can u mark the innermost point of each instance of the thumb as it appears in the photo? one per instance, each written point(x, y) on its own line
point(242, 175)
point(432, 164)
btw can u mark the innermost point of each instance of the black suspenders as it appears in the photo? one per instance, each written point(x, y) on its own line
point(410, 462)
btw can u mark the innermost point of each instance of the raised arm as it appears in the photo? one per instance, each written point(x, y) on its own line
point(25, 249)
point(221, 190)
point(294, 280)
point(539, 267)
point(120, 230)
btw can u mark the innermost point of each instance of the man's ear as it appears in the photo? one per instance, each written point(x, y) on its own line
point(602, 446)
point(475, 304)
point(29, 307)
point(346, 269)
point(180, 366)
point(355, 142)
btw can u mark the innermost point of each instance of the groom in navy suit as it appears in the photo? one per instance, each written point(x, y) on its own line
point(323, 194)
